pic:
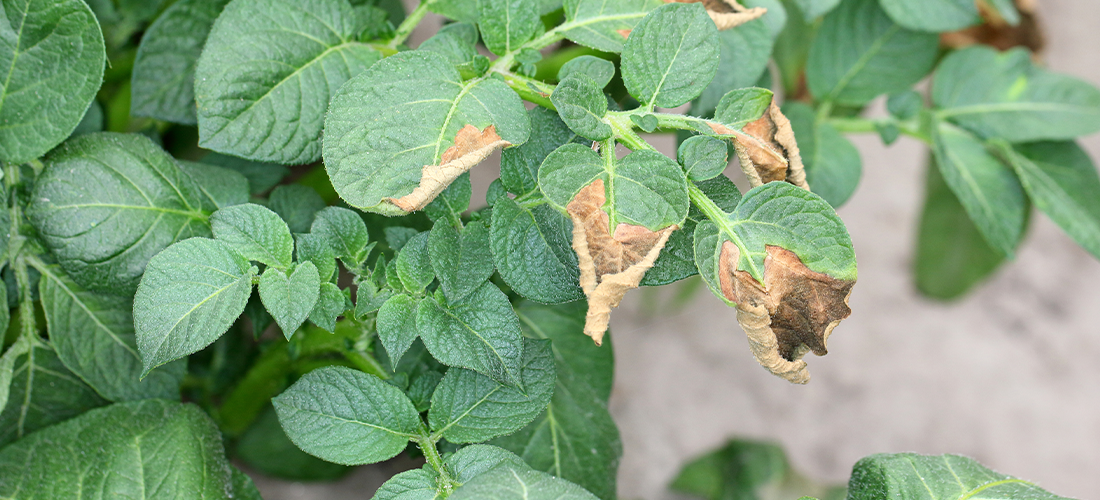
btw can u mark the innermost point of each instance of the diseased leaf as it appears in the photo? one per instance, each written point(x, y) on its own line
point(255, 232)
point(727, 14)
point(987, 188)
point(506, 24)
point(221, 186)
point(744, 53)
point(396, 324)
point(331, 304)
point(267, 72)
point(43, 392)
point(468, 407)
point(297, 205)
point(859, 54)
point(53, 58)
point(740, 107)
point(375, 154)
point(509, 481)
point(670, 56)
point(933, 15)
point(677, 259)
point(142, 450)
point(603, 24)
point(832, 162)
point(190, 294)
point(413, 264)
point(479, 332)
point(163, 82)
point(290, 299)
point(532, 252)
point(346, 416)
point(94, 337)
point(598, 69)
point(773, 134)
point(582, 106)
point(106, 203)
point(942, 477)
point(1004, 95)
point(462, 261)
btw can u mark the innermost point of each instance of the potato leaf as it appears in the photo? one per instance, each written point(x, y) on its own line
point(933, 15)
point(601, 24)
point(671, 55)
point(942, 477)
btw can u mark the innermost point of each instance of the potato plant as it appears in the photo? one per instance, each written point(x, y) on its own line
point(243, 229)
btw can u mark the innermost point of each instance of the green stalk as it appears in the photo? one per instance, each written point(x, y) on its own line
point(721, 219)
point(432, 456)
point(408, 25)
point(539, 94)
point(27, 322)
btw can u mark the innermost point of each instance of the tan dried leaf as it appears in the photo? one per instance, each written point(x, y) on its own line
point(470, 148)
point(996, 32)
point(791, 314)
point(727, 14)
point(610, 265)
point(774, 135)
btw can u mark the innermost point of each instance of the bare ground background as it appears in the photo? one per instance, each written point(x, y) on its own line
point(1008, 376)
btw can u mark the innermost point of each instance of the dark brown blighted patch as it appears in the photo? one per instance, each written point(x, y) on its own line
point(727, 14)
point(791, 314)
point(624, 33)
point(774, 134)
point(610, 265)
point(995, 31)
point(470, 148)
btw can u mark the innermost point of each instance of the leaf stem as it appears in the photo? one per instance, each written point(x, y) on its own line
point(427, 445)
point(721, 219)
point(857, 125)
point(504, 63)
point(529, 89)
point(16, 245)
point(409, 24)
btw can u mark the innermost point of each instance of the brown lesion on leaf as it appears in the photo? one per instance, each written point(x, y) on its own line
point(774, 156)
point(995, 31)
point(610, 265)
point(470, 148)
point(792, 313)
point(727, 14)
point(625, 33)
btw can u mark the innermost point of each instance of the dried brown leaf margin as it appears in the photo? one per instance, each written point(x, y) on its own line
point(727, 14)
point(470, 148)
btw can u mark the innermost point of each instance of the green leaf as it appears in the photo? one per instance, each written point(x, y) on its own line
point(141, 450)
point(94, 336)
point(479, 332)
point(647, 122)
point(261, 176)
point(266, 449)
point(416, 484)
point(703, 157)
point(575, 438)
point(1061, 180)
point(331, 304)
point(460, 10)
point(741, 107)
point(106, 203)
point(7, 363)
point(598, 69)
point(792, 46)
point(474, 460)
point(414, 266)
point(1005, 95)
point(775, 19)
point(943, 477)
point(519, 166)
point(748, 469)
point(256, 233)
point(461, 261)
point(373, 151)
point(290, 299)
point(53, 57)
point(813, 9)
point(783, 215)
point(221, 186)
point(266, 75)
point(396, 324)
point(645, 188)
point(952, 255)
point(163, 82)
point(346, 234)
point(510, 481)
point(933, 15)
point(987, 188)
point(316, 249)
point(671, 55)
point(346, 416)
point(1007, 10)
point(297, 205)
point(452, 202)
point(469, 407)
point(191, 293)
point(507, 24)
point(582, 106)
point(599, 23)
point(531, 249)
point(859, 54)
point(43, 392)
point(744, 53)
point(905, 104)
point(92, 121)
point(243, 487)
point(457, 42)
point(833, 165)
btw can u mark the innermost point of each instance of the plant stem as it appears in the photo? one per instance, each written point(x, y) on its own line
point(431, 454)
point(409, 24)
point(721, 219)
point(539, 94)
point(16, 244)
point(504, 63)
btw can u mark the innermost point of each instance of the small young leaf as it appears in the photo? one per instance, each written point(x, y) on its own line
point(859, 54)
point(460, 10)
point(461, 261)
point(474, 460)
point(531, 249)
point(256, 233)
point(397, 236)
point(413, 484)
point(510, 481)
point(261, 176)
point(452, 202)
point(469, 407)
point(314, 248)
point(582, 106)
point(671, 55)
point(933, 15)
point(190, 294)
point(94, 336)
point(221, 186)
point(106, 203)
point(519, 166)
point(905, 105)
point(507, 24)
point(397, 325)
point(290, 299)
point(703, 157)
point(648, 123)
point(266, 75)
point(480, 333)
point(598, 69)
point(1004, 95)
point(297, 205)
point(346, 416)
point(601, 24)
point(987, 188)
point(832, 162)
point(741, 107)
point(331, 303)
point(345, 232)
point(162, 85)
point(414, 266)
point(942, 477)
point(744, 53)
point(53, 57)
